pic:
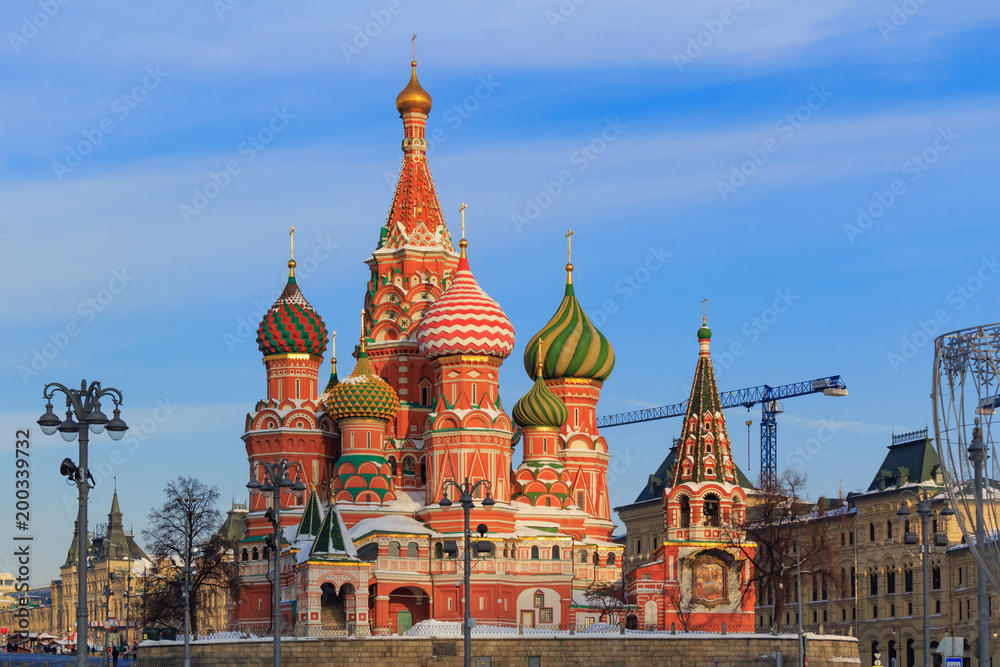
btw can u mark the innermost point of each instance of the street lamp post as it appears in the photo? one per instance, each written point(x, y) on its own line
point(923, 499)
point(466, 492)
point(83, 416)
point(276, 478)
point(977, 454)
point(798, 586)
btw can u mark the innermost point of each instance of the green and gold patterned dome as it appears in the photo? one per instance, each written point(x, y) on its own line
point(574, 346)
point(363, 394)
point(540, 408)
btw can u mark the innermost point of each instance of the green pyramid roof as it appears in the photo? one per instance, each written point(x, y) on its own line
point(312, 518)
point(329, 541)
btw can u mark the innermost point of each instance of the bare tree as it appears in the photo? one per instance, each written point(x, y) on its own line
point(777, 515)
point(184, 529)
point(609, 598)
point(682, 606)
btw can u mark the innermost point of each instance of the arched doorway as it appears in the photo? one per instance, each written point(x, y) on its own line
point(911, 654)
point(631, 622)
point(337, 607)
point(411, 599)
point(875, 650)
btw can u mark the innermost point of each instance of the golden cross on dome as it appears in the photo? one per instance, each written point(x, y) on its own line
point(291, 235)
point(704, 311)
point(362, 331)
point(569, 244)
point(461, 210)
point(414, 40)
point(538, 361)
point(333, 348)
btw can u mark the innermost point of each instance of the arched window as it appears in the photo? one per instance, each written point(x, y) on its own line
point(873, 582)
point(888, 530)
point(555, 552)
point(393, 549)
point(685, 512)
point(843, 582)
point(409, 466)
point(423, 471)
point(597, 558)
point(255, 555)
point(412, 550)
point(539, 600)
point(266, 554)
point(392, 466)
point(611, 559)
point(438, 550)
point(425, 396)
point(534, 553)
point(854, 577)
point(246, 556)
point(871, 532)
point(711, 510)
point(583, 557)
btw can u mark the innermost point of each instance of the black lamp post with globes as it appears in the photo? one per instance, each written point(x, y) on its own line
point(83, 416)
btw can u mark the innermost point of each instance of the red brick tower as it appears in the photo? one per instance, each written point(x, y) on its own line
point(414, 262)
point(704, 563)
point(466, 336)
point(577, 360)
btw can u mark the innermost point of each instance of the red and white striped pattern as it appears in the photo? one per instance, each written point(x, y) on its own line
point(465, 320)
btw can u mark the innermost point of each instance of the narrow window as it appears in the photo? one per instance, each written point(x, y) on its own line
point(474, 402)
point(297, 389)
point(579, 499)
point(368, 438)
point(425, 397)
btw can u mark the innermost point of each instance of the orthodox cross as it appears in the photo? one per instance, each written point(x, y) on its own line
point(461, 210)
point(538, 362)
point(291, 235)
point(569, 244)
point(414, 40)
point(704, 311)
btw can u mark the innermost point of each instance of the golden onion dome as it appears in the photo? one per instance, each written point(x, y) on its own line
point(413, 97)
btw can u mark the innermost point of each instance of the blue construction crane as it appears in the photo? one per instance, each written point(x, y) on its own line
point(766, 395)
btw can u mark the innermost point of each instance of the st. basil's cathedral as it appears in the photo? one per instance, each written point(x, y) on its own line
point(369, 546)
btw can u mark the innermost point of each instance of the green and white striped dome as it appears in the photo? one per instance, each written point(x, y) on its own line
point(574, 348)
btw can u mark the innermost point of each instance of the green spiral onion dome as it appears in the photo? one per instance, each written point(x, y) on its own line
point(363, 394)
point(291, 326)
point(574, 348)
point(540, 408)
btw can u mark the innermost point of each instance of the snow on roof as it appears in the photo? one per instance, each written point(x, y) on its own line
point(390, 523)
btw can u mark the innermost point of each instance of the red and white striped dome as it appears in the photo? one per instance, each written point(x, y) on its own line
point(465, 320)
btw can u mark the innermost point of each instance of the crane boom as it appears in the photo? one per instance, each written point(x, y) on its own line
point(765, 395)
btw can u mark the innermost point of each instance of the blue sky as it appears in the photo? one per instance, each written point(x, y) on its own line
point(728, 144)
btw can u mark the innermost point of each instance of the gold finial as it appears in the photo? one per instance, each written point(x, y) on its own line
point(291, 260)
point(362, 332)
point(463, 243)
point(704, 312)
point(569, 255)
point(333, 350)
point(538, 361)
